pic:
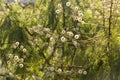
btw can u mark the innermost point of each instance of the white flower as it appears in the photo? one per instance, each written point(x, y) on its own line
point(21, 47)
point(17, 43)
point(80, 71)
point(80, 14)
point(76, 8)
point(85, 72)
point(51, 38)
point(63, 31)
point(57, 11)
point(79, 19)
point(24, 50)
point(16, 58)
point(68, 4)
point(63, 39)
point(21, 65)
point(76, 36)
point(59, 5)
point(59, 70)
point(70, 33)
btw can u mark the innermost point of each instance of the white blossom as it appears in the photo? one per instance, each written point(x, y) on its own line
point(59, 5)
point(70, 33)
point(79, 19)
point(63, 39)
point(68, 4)
point(21, 47)
point(80, 71)
point(85, 72)
point(63, 31)
point(80, 14)
point(76, 36)
point(76, 8)
point(17, 43)
point(21, 65)
point(24, 49)
point(51, 38)
point(16, 58)
point(57, 11)
point(59, 70)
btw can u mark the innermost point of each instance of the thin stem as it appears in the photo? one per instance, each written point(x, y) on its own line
point(109, 26)
point(63, 4)
point(109, 37)
point(110, 18)
point(103, 14)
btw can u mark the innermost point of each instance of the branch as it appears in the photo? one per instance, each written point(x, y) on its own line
point(110, 19)
point(63, 5)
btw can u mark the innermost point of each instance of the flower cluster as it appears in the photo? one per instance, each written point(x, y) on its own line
point(35, 29)
point(68, 4)
point(58, 9)
point(17, 45)
point(15, 60)
point(82, 72)
point(69, 35)
point(51, 71)
point(77, 14)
